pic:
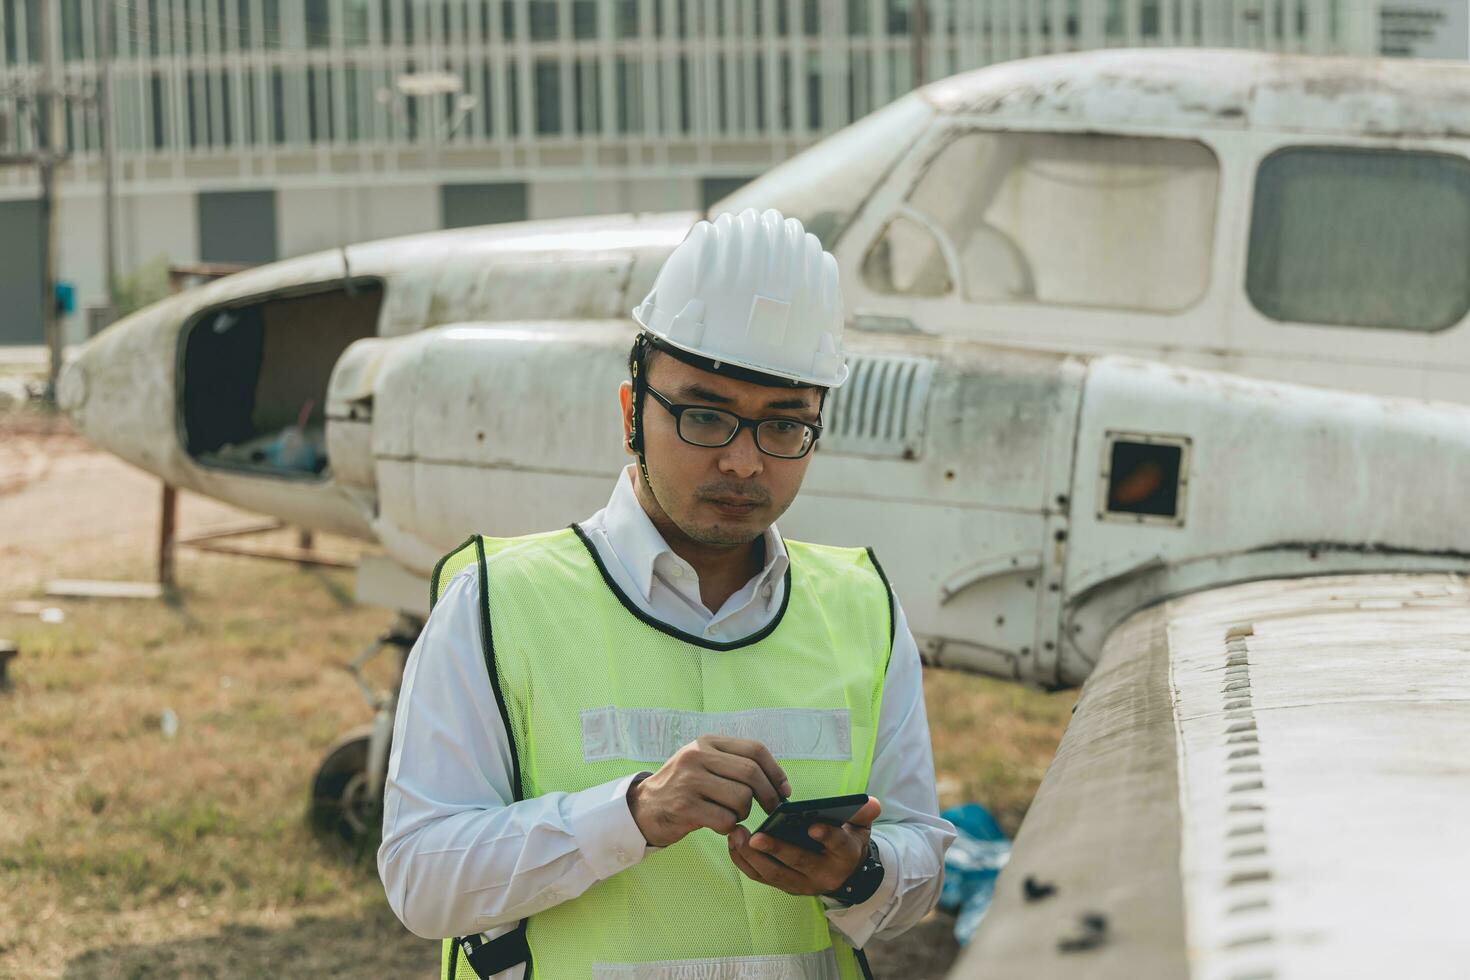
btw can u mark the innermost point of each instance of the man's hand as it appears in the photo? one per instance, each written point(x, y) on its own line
point(708, 783)
point(795, 871)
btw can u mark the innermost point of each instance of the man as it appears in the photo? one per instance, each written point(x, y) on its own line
point(595, 719)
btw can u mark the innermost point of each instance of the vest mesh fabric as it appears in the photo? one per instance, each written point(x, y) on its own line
point(566, 645)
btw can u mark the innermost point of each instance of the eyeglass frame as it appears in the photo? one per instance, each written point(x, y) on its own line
point(741, 422)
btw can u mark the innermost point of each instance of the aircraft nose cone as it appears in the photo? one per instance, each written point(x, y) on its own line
point(118, 390)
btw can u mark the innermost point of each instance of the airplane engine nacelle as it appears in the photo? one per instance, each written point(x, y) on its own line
point(498, 429)
point(350, 403)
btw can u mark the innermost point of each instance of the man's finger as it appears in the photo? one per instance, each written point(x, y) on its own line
point(865, 816)
point(747, 772)
point(728, 793)
point(744, 866)
point(846, 842)
point(776, 874)
point(721, 820)
point(788, 854)
point(757, 753)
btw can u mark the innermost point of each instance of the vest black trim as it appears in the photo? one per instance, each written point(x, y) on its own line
point(675, 632)
point(439, 572)
point(892, 612)
point(502, 952)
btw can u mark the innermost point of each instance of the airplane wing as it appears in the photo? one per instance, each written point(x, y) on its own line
point(1262, 781)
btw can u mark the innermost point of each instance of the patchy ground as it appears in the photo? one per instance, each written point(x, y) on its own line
point(127, 852)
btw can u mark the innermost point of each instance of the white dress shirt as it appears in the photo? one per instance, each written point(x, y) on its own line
point(460, 857)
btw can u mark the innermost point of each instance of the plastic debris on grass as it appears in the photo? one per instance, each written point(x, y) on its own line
point(971, 865)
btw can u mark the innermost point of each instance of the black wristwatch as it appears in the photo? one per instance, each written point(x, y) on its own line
point(862, 883)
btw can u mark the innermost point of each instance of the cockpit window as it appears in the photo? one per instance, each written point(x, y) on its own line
point(907, 261)
point(1067, 219)
point(826, 184)
point(1361, 238)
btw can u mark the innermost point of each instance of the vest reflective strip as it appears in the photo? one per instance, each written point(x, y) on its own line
point(655, 734)
point(821, 965)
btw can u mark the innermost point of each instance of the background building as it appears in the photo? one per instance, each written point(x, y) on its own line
point(251, 130)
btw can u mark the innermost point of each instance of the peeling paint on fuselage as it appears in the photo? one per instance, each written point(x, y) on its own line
point(1212, 90)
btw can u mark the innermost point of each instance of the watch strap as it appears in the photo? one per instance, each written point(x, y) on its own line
point(862, 883)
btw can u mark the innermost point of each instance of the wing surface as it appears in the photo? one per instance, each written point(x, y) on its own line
point(1260, 782)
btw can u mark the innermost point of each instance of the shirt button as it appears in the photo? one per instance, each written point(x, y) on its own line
point(676, 572)
point(766, 591)
point(622, 855)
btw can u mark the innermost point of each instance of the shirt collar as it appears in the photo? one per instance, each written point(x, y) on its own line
point(638, 544)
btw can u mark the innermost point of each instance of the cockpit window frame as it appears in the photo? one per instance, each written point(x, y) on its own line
point(912, 111)
point(945, 137)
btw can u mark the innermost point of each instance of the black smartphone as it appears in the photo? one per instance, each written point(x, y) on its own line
point(791, 820)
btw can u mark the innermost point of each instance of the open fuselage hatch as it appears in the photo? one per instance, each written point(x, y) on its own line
point(254, 376)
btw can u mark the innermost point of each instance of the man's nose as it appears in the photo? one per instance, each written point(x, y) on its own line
point(741, 458)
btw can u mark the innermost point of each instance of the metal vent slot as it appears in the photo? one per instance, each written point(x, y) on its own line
point(880, 411)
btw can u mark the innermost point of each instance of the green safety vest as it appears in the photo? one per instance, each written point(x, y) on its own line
point(592, 689)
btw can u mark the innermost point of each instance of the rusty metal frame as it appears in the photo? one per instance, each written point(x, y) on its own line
point(220, 543)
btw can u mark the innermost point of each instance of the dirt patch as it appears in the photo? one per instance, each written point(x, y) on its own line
point(63, 503)
point(30, 441)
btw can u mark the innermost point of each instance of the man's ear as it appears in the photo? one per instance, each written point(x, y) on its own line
point(625, 402)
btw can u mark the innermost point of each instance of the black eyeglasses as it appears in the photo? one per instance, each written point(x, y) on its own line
point(700, 425)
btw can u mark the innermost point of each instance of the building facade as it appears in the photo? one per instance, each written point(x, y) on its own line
point(251, 130)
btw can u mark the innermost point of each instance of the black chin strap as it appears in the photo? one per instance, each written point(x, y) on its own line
point(639, 367)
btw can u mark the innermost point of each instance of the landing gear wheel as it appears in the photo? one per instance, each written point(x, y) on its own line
point(342, 804)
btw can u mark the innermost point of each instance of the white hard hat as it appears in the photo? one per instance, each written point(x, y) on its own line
point(754, 291)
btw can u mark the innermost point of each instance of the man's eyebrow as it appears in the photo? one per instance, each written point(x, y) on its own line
point(797, 403)
point(699, 391)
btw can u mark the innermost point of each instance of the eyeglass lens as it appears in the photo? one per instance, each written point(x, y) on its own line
point(712, 427)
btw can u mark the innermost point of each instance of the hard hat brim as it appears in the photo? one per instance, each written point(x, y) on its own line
point(741, 370)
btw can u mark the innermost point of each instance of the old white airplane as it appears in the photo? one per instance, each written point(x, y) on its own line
point(1244, 756)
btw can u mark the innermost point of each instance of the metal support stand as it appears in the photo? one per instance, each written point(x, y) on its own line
point(226, 543)
point(8, 652)
point(166, 539)
point(347, 792)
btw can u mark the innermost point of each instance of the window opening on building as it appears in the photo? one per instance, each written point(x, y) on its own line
point(254, 377)
point(1361, 238)
point(1065, 219)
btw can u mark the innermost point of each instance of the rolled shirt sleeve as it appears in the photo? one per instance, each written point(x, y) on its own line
point(910, 834)
point(459, 856)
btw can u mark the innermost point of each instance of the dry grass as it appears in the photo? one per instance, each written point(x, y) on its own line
point(992, 740)
point(124, 853)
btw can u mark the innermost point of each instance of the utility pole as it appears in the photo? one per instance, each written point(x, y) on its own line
point(109, 173)
point(42, 101)
point(49, 102)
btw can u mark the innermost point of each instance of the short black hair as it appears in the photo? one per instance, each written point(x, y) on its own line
point(647, 351)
